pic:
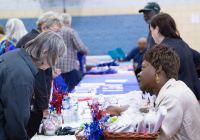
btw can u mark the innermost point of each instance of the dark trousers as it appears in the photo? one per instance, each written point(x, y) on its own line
point(71, 79)
point(33, 124)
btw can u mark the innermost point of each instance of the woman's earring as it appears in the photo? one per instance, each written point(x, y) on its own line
point(40, 62)
point(157, 79)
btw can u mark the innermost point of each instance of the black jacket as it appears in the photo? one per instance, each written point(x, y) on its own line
point(29, 36)
point(150, 41)
point(17, 80)
point(189, 59)
point(42, 89)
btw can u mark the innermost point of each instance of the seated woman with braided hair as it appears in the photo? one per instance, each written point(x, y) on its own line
point(159, 74)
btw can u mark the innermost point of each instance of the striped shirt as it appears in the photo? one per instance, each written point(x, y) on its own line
point(74, 44)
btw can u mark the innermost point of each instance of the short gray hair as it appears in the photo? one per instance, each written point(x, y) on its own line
point(15, 29)
point(66, 18)
point(47, 40)
point(48, 19)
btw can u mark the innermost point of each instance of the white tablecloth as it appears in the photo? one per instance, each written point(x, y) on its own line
point(54, 138)
point(68, 137)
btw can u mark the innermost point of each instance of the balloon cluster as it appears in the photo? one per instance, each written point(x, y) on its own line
point(94, 130)
point(57, 98)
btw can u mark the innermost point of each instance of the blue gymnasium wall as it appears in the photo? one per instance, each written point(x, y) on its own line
point(104, 33)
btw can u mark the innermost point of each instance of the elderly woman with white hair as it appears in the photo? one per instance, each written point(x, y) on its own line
point(18, 70)
point(15, 30)
point(47, 21)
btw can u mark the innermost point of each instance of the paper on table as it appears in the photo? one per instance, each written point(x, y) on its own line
point(118, 96)
point(115, 80)
point(83, 88)
point(89, 90)
point(82, 94)
point(68, 137)
point(82, 91)
point(116, 85)
point(162, 112)
point(92, 84)
point(121, 71)
point(112, 90)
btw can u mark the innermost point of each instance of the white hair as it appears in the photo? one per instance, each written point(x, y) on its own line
point(50, 41)
point(66, 18)
point(48, 19)
point(15, 29)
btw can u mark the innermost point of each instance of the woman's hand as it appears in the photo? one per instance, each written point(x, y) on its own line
point(114, 111)
point(56, 73)
point(119, 59)
point(45, 113)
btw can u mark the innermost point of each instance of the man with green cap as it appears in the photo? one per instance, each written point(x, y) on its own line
point(150, 10)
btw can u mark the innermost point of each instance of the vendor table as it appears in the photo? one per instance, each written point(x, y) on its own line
point(117, 84)
point(125, 79)
point(67, 137)
point(54, 137)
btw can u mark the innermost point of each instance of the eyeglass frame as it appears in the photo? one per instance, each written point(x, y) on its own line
point(55, 30)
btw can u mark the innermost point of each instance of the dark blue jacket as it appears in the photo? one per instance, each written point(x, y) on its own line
point(136, 55)
point(189, 59)
point(17, 80)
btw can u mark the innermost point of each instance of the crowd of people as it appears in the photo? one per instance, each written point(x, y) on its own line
point(168, 69)
point(45, 51)
point(164, 65)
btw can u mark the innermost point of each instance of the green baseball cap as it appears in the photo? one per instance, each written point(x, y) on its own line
point(150, 6)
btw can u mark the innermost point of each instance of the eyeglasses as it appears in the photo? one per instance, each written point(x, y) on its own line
point(55, 30)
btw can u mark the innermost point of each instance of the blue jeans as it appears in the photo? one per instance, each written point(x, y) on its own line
point(71, 79)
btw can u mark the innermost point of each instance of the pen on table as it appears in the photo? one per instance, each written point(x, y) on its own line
point(135, 130)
